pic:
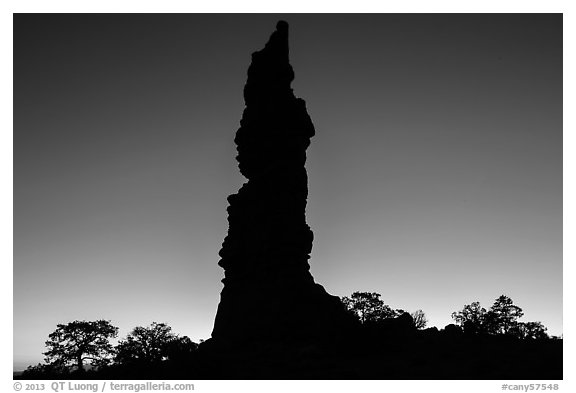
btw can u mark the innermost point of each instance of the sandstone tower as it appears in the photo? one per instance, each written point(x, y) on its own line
point(268, 291)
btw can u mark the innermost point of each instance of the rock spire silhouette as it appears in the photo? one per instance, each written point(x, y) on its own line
point(268, 290)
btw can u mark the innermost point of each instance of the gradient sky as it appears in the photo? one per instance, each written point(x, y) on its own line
point(435, 176)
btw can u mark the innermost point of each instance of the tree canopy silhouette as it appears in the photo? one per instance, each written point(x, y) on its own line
point(368, 307)
point(471, 317)
point(419, 319)
point(152, 344)
point(500, 319)
point(73, 343)
point(530, 330)
point(502, 316)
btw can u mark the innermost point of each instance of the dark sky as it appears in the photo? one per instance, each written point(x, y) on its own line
point(435, 176)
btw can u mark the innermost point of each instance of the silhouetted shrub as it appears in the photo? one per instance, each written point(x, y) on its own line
point(46, 371)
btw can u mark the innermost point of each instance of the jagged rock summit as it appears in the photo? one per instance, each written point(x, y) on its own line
point(269, 293)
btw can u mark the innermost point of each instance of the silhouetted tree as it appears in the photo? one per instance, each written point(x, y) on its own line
point(419, 319)
point(518, 330)
point(368, 307)
point(470, 318)
point(151, 344)
point(502, 316)
point(180, 349)
point(74, 342)
point(529, 330)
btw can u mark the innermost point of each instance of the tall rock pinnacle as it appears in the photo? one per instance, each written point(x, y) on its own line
point(268, 289)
